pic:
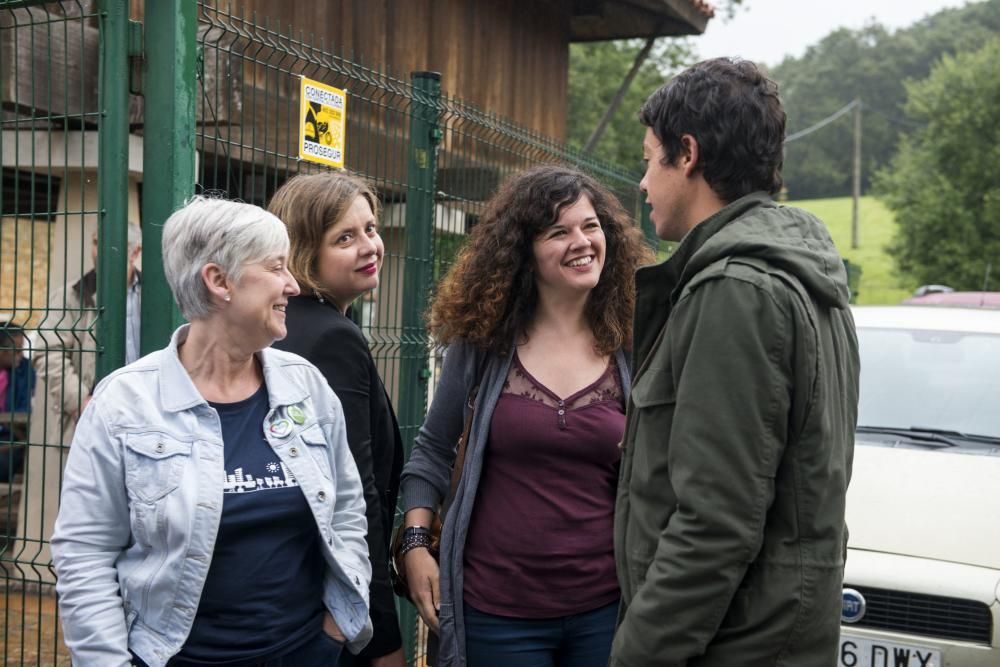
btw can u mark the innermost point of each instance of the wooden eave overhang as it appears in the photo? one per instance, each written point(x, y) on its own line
point(600, 20)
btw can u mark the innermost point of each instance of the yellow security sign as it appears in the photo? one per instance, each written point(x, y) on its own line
point(322, 123)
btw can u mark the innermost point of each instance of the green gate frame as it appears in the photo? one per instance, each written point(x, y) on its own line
point(172, 63)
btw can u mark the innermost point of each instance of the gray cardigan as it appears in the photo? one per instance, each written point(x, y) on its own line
point(427, 475)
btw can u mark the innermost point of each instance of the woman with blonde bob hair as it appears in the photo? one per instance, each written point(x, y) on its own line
point(536, 313)
point(211, 510)
point(336, 255)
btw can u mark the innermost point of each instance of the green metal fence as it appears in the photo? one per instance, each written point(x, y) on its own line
point(435, 160)
point(216, 95)
point(65, 108)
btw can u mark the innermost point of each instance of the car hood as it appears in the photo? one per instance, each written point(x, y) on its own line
point(927, 503)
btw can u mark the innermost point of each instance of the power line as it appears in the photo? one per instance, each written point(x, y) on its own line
point(895, 119)
point(823, 123)
point(842, 111)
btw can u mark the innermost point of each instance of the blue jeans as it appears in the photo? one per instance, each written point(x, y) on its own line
point(320, 651)
point(579, 640)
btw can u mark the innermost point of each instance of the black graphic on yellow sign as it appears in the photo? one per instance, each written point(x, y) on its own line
point(322, 123)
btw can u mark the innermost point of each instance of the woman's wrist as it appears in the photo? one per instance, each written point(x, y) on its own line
point(415, 537)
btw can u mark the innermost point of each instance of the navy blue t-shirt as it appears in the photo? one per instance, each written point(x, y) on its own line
point(263, 594)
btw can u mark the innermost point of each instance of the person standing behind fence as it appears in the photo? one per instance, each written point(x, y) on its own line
point(729, 527)
point(336, 254)
point(211, 510)
point(17, 382)
point(536, 312)
point(66, 372)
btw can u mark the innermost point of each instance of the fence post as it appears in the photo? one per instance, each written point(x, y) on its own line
point(112, 183)
point(646, 223)
point(168, 154)
point(425, 134)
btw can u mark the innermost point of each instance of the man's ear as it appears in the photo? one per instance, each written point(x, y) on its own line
point(689, 154)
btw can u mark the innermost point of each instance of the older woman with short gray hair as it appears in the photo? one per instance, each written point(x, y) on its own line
point(211, 510)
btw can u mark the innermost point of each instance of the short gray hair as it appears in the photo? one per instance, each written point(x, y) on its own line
point(211, 230)
point(134, 236)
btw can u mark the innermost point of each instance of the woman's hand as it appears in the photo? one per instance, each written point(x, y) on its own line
point(423, 576)
point(331, 628)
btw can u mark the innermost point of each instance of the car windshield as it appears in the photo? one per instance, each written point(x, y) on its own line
point(944, 381)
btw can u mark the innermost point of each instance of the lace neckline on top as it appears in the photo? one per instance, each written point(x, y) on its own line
point(521, 383)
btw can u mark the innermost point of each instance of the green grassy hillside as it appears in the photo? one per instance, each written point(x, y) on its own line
point(879, 284)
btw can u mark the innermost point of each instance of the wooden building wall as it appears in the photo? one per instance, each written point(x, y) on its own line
point(508, 57)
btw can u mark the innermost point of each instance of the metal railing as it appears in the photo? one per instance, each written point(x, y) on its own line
point(216, 95)
point(65, 116)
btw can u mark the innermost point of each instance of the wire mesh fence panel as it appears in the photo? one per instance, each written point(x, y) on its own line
point(49, 55)
point(249, 125)
point(433, 160)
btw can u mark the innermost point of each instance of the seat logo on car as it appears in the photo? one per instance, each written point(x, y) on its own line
point(854, 606)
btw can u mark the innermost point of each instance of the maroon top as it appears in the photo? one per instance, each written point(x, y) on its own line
point(540, 543)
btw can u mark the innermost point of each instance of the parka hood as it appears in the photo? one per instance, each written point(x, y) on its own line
point(785, 237)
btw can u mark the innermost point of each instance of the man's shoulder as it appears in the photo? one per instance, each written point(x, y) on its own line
point(76, 294)
point(733, 270)
point(751, 278)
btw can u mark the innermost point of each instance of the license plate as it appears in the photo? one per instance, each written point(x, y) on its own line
point(861, 652)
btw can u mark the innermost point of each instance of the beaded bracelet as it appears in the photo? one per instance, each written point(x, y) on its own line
point(415, 537)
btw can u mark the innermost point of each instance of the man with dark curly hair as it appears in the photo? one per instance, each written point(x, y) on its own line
point(729, 524)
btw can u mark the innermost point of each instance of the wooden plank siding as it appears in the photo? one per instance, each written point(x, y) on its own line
point(508, 57)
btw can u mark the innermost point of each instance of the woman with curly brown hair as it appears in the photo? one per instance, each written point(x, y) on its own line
point(536, 314)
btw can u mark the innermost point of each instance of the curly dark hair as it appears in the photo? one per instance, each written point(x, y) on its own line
point(489, 296)
point(734, 113)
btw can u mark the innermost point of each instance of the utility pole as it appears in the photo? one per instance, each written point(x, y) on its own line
point(857, 173)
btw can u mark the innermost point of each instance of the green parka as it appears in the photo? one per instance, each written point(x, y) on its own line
point(729, 526)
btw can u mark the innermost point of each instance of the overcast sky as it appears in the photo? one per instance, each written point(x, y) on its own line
point(765, 31)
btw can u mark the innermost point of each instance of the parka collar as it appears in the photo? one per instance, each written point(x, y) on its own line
point(670, 272)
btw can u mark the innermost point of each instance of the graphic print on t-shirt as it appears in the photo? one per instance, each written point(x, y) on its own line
point(275, 475)
point(271, 540)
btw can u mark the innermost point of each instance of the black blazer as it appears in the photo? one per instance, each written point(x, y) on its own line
point(335, 345)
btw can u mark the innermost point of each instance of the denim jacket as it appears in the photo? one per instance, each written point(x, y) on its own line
point(142, 500)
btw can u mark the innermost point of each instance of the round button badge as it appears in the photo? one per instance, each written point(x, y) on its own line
point(296, 413)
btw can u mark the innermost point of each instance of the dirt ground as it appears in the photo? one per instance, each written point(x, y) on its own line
point(31, 634)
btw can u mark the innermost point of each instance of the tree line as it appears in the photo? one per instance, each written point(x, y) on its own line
point(875, 65)
point(930, 123)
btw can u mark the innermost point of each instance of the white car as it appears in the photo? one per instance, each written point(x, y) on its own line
point(922, 583)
